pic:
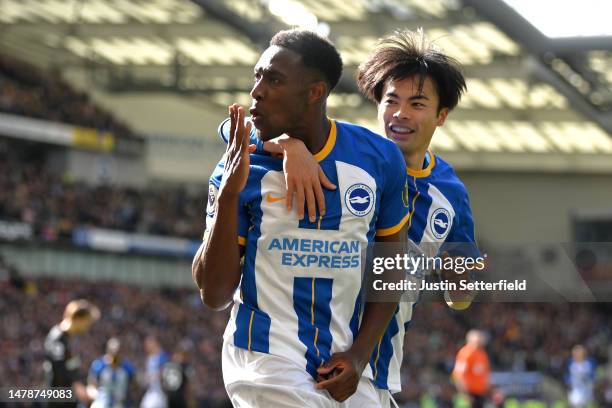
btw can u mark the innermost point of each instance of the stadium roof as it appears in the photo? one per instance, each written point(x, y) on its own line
point(527, 94)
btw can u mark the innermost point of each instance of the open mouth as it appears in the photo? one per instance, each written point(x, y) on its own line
point(401, 132)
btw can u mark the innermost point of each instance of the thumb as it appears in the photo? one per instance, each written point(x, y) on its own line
point(252, 148)
point(325, 181)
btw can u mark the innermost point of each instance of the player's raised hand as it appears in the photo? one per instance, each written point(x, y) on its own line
point(340, 376)
point(236, 170)
point(304, 177)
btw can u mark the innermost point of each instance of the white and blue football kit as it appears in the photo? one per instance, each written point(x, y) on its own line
point(155, 397)
point(580, 378)
point(440, 216)
point(299, 296)
point(112, 383)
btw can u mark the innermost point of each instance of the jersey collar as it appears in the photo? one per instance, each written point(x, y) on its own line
point(426, 171)
point(329, 144)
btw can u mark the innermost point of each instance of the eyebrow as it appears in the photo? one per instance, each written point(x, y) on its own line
point(412, 98)
point(268, 71)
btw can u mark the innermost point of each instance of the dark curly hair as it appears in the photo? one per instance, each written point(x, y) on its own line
point(405, 54)
point(317, 52)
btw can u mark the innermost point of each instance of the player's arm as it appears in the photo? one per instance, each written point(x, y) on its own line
point(346, 368)
point(81, 391)
point(391, 237)
point(216, 265)
point(459, 372)
point(461, 245)
point(457, 299)
point(304, 178)
point(78, 386)
point(92, 381)
point(377, 314)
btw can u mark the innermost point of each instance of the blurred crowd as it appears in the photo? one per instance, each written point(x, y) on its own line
point(523, 337)
point(54, 205)
point(26, 90)
point(175, 317)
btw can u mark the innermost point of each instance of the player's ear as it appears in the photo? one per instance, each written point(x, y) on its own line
point(317, 91)
point(442, 116)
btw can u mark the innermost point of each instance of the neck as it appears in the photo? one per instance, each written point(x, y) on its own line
point(313, 132)
point(415, 160)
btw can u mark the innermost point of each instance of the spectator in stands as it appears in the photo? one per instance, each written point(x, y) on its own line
point(514, 329)
point(472, 371)
point(27, 91)
point(54, 206)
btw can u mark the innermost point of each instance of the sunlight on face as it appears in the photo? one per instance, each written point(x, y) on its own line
point(409, 114)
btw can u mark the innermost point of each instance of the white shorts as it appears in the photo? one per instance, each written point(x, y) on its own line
point(386, 398)
point(154, 399)
point(254, 380)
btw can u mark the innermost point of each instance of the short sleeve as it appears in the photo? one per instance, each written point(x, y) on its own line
point(163, 359)
point(95, 369)
point(211, 207)
point(394, 206)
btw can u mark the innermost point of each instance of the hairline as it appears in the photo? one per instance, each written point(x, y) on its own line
point(424, 77)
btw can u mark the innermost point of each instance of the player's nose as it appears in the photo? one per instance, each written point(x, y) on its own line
point(401, 113)
point(257, 92)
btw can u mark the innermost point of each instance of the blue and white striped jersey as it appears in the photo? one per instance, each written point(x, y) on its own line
point(580, 378)
point(299, 295)
point(154, 365)
point(112, 382)
point(440, 214)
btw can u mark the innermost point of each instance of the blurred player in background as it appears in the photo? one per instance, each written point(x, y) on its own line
point(580, 378)
point(111, 378)
point(176, 376)
point(154, 397)
point(62, 369)
point(472, 371)
point(414, 86)
point(294, 323)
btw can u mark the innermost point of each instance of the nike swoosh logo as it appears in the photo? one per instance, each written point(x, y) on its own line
point(271, 199)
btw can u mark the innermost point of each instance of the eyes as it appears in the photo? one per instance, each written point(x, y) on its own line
point(272, 80)
point(413, 104)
